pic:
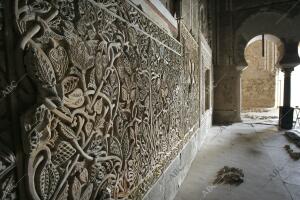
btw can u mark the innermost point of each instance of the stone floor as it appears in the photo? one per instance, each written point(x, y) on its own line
point(257, 148)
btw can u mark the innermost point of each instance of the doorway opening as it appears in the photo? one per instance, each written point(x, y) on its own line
point(295, 94)
point(262, 79)
point(295, 97)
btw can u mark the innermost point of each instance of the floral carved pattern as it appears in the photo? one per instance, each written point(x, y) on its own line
point(108, 116)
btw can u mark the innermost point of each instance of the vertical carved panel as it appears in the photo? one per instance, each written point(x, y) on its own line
point(114, 105)
point(192, 80)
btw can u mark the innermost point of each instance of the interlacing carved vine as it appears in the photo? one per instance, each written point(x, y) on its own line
point(108, 115)
point(191, 85)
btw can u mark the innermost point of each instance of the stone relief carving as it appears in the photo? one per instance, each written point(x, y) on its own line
point(116, 100)
point(191, 102)
point(108, 118)
point(113, 105)
point(7, 172)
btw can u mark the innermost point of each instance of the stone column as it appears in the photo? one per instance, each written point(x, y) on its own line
point(289, 61)
point(286, 112)
point(287, 86)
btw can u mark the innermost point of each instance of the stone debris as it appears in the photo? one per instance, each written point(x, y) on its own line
point(229, 175)
point(293, 155)
point(259, 117)
point(293, 136)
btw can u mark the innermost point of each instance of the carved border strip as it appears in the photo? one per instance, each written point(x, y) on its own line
point(170, 43)
point(177, 44)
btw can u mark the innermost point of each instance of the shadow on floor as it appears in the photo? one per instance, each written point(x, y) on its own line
point(257, 149)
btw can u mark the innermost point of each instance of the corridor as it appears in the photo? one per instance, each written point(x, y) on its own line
point(257, 149)
point(117, 99)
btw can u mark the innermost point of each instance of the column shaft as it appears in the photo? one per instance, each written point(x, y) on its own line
point(287, 88)
point(286, 111)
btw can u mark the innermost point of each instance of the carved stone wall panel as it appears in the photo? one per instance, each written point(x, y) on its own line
point(192, 79)
point(115, 102)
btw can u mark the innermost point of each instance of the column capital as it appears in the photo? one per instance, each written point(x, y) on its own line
point(291, 57)
point(287, 69)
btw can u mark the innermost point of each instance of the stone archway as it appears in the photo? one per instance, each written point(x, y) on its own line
point(261, 85)
point(283, 26)
point(258, 24)
point(239, 24)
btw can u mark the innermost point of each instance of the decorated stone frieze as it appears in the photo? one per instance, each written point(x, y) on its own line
point(114, 103)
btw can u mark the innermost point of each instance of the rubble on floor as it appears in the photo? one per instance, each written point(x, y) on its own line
point(293, 155)
point(293, 136)
point(259, 117)
point(229, 175)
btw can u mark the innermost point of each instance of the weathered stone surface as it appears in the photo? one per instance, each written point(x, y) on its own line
point(168, 184)
point(109, 100)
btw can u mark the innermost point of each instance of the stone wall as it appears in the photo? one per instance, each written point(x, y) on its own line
point(196, 60)
point(194, 14)
point(169, 182)
point(171, 5)
point(226, 82)
point(192, 80)
point(108, 102)
point(158, 13)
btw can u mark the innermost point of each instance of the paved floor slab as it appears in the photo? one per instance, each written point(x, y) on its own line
point(270, 174)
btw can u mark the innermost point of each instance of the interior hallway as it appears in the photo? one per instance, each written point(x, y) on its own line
point(257, 149)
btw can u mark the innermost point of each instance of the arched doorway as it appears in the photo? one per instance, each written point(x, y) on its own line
point(262, 80)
